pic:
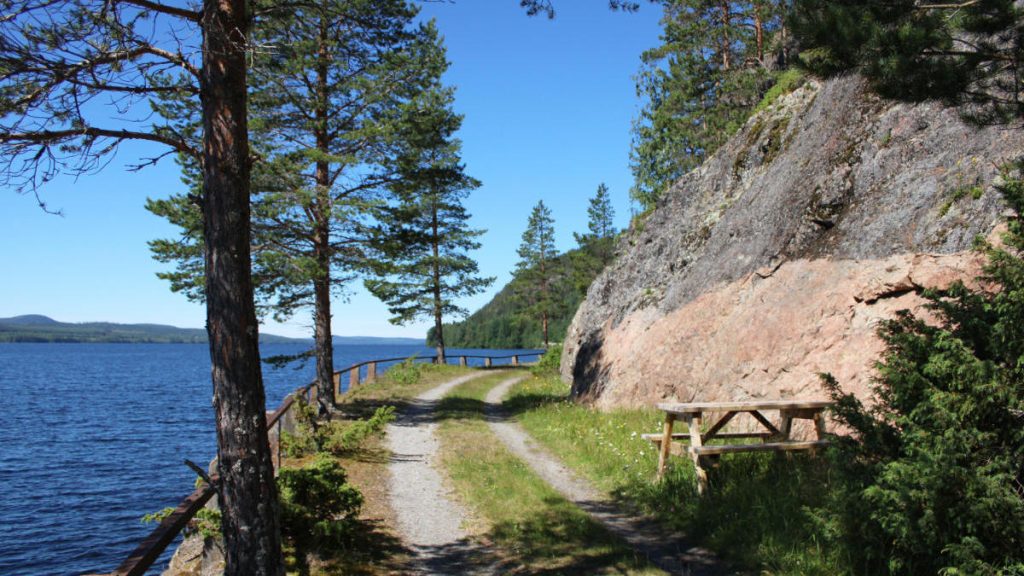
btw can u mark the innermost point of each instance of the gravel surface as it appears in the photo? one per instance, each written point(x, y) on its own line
point(667, 550)
point(429, 518)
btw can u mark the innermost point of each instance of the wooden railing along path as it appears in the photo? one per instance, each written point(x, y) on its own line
point(147, 552)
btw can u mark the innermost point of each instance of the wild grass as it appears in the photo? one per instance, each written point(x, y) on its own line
point(535, 528)
point(760, 513)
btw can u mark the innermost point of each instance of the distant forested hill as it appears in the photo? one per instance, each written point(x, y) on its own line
point(502, 323)
point(38, 328)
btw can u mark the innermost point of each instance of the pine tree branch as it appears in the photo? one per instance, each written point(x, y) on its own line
point(55, 136)
point(191, 15)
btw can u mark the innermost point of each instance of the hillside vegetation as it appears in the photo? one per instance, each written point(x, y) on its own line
point(37, 328)
point(504, 322)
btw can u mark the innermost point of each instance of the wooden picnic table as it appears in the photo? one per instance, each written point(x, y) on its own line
point(773, 438)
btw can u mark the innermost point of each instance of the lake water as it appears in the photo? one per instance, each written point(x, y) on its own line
point(93, 437)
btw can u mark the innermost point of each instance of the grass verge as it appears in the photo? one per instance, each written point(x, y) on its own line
point(536, 530)
point(761, 510)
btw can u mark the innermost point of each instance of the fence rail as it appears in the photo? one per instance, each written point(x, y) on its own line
point(150, 549)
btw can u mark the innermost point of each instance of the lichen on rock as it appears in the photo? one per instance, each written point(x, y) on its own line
point(778, 256)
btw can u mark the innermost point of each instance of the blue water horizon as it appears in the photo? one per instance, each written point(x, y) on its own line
point(95, 436)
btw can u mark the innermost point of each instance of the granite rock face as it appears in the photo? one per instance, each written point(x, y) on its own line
point(776, 259)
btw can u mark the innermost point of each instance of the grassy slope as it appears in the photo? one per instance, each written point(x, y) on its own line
point(537, 530)
point(760, 511)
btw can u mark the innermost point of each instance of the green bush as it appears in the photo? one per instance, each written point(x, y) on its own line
point(317, 502)
point(406, 373)
point(549, 363)
point(932, 479)
point(305, 439)
point(346, 437)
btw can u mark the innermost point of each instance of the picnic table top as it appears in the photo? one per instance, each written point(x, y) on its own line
point(745, 406)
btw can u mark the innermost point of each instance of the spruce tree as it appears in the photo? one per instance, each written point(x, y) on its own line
point(595, 248)
point(534, 275)
point(421, 259)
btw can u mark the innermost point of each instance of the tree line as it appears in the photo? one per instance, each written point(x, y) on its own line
point(538, 305)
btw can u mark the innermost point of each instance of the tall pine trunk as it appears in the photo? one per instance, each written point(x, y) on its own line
point(248, 493)
point(435, 240)
point(322, 327)
point(322, 237)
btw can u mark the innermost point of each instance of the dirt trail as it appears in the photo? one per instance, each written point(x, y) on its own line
point(429, 518)
point(668, 551)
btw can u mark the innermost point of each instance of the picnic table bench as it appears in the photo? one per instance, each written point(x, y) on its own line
point(772, 438)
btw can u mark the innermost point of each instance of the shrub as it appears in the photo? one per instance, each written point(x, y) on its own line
point(407, 372)
point(317, 502)
point(305, 439)
point(549, 363)
point(345, 437)
point(932, 479)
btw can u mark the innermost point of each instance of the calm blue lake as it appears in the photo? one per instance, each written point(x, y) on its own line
point(93, 437)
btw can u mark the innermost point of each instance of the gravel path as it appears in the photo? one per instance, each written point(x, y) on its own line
point(429, 519)
point(668, 551)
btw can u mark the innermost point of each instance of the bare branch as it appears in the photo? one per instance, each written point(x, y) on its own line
point(56, 136)
point(191, 15)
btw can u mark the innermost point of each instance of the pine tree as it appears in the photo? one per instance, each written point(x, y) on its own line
point(66, 66)
point(325, 99)
point(700, 85)
point(965, 53)
point(534, 275)
point(423, 239)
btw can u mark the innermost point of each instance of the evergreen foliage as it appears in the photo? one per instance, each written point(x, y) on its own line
point(512, 319)
point(966, 53)
point(422, 239)
point(597, 247)
point(534, 275)
point(932, 479)
point(716, 61)
point(318, 505)
point(326, 99)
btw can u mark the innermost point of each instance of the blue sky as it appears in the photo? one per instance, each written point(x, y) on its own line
point(548, 106)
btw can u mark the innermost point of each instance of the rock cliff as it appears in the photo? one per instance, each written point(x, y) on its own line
point(776, 259)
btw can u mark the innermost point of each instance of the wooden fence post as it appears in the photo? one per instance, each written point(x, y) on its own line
point(371, 372)
point(515, 360)
point(353, 379)
point(487, 362)
point(337, 386)
point(462, 361)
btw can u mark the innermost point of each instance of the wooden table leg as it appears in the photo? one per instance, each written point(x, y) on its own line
point(693, 422)
point(785, 424)
point(666, 445)
point(819, 425)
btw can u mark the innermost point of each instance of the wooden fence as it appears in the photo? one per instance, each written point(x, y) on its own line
point(150, 549)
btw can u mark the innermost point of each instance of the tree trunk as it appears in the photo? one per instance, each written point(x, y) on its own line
point(726, 41)
point(544, 320)
point(435, 241)
point(759, 34)
point(322, 238)
point(248, 492)
point(322, 333)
